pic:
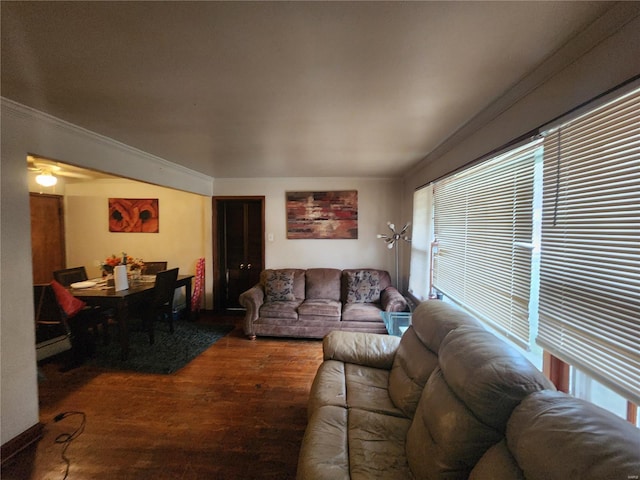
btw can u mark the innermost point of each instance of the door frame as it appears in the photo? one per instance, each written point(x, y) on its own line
point(215, 237)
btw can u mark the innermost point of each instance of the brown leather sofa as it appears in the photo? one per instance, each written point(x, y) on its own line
point(313, 302)
point(451, 401)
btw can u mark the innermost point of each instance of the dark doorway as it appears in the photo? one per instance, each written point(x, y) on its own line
point(238, 236)
point(47, 236)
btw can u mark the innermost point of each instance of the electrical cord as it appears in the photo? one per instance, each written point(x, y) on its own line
point(67, 438)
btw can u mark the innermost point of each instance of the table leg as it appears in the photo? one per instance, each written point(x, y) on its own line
point(187, 294)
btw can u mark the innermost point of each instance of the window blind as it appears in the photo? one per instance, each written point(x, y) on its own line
point(420, 244)
point(483, 221)
point(589, 307)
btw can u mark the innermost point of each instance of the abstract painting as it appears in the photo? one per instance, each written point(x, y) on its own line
point(325, 215)
point(134, 215)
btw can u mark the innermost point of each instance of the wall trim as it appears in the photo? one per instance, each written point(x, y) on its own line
point(27, 438)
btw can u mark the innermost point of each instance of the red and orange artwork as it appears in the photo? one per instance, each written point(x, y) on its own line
point(133, 215)
point(328, 215)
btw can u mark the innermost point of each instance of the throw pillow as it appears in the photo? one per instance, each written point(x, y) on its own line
point(279, 286)
point(70, 304)
point(363, 286)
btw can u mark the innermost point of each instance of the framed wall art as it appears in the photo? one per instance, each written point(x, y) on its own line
point(134, 215)
point(324, 215)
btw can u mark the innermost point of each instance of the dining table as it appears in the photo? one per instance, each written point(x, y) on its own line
point(104, 295)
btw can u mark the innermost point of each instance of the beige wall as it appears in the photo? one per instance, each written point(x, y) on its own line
point(378, 202)
point(183, 231)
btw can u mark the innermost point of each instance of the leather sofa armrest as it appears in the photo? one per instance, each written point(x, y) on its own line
point(392, 300)
point(368, 349)
point(252, 300)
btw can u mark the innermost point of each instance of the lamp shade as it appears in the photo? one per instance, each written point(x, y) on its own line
point(46, 180)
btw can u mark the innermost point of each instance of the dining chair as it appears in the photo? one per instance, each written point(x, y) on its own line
point(151, 268)
point(102, 317)
point(161, 304)
point(67, 276)
point(52, 332)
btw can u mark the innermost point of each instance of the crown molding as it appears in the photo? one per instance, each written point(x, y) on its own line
point(153, 164)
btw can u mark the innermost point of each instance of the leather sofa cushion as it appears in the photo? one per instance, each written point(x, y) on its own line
point(497, 464)
point(320, 307)
point(341, 444)
point(412, 366)
point(488, 375)
point(434, 319)
point(376, 446)
point(417, 355)
point(329, 387)
point(366, 312)
point(324, 453)
point(323, 283)
point(445, 439)
point(554, 436)
point(367, 389)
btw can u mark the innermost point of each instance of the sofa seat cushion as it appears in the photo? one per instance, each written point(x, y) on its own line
point(324, 453)
point(283, 310)
point(320, 307)
point(352, 386)
point(368, 389)
point(377, 446)
point(354, 312)
point(341, 443)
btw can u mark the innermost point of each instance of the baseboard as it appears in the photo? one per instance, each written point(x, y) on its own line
point(27, 438)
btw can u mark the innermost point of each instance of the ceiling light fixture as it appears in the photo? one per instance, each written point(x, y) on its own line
point(46, 179)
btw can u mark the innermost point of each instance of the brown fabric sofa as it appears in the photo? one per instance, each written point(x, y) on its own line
point(451, 401)
point(313, 302)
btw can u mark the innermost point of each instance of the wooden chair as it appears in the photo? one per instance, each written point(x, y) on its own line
point(151, 268)
point(161, 304)
point(67, 276)
point(52, 332)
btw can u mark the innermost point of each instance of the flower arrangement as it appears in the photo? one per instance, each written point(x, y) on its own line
point(112, 261)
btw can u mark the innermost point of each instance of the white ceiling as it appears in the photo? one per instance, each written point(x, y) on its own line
point(278, 89)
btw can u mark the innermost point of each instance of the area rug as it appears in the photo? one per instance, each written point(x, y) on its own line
point(168, 354)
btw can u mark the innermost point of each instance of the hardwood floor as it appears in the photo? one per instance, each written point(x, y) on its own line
point(238, 411)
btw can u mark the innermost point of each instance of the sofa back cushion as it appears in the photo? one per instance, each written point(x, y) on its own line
point(298, 280)
point(417, 355)
point(363, 285)
point(323, 283)
point(555, 436)
point(467, 401)
point(490, 376)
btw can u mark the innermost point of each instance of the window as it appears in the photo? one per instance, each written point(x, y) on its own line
point(542, 243)
point(419, 279)
point(484, 229)
point(590, 259)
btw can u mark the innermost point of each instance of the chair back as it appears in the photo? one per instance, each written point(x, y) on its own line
point(52, 331)
point(67, 276)
point(46, 306)
point(151, 268)
point(164, 287)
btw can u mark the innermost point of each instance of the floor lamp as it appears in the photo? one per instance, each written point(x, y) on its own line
point(392, 241)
